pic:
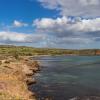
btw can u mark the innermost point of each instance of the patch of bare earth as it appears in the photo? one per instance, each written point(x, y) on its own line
point(14, 77)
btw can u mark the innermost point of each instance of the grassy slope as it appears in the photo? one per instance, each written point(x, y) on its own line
point(29, 51)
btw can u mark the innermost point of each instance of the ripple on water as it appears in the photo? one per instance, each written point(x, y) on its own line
point(68, 78)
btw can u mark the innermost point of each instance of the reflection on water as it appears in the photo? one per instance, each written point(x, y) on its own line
point(65, 77)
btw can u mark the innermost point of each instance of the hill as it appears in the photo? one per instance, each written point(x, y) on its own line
point(30, 51)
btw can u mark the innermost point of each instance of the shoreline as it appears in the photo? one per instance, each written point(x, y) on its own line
point(16, 76)
point(59, 55)
point(45, 96)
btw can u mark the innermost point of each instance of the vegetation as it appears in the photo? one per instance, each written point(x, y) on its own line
point(29, 51)
point(15, 75)
point(16, 69)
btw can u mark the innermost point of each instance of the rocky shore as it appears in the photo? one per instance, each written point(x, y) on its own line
point(15, 76)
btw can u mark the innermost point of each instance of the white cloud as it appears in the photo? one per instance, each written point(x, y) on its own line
point(66, 30)
point(19, 24)
point(83, 27)
point(49, 22)
point(65, 24)
point(14, 37)
point(84, 8)
point(89, 2)
point(58, 32)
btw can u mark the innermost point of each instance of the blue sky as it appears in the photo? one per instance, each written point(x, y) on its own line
point(26, 10)
point(69, 24)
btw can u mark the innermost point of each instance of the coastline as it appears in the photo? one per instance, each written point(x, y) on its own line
point(43, 89)
point(15, 76)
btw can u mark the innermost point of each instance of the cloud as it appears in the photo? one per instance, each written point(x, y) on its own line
point(79, 24)
point(83, 8)
point(69, 31)
point(14, 37)
point(19, 24)
point(67, 25)
point(61, 32)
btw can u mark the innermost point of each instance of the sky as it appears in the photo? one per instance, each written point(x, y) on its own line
point(69, 24)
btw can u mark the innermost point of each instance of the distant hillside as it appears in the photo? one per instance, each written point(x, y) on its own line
point(30, 51)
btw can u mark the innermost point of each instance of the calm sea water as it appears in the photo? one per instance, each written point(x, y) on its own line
point(65, 77)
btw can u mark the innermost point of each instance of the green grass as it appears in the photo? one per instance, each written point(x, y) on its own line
point(29, 51)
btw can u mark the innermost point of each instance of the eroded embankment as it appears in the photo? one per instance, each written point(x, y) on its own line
point(15, 76)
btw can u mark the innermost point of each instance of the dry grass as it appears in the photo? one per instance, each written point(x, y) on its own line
point(12, 80)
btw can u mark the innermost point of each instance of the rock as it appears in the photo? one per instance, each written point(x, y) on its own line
point(35, 69)
point(29, 74)
point(27, 70)
point(30, 81)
